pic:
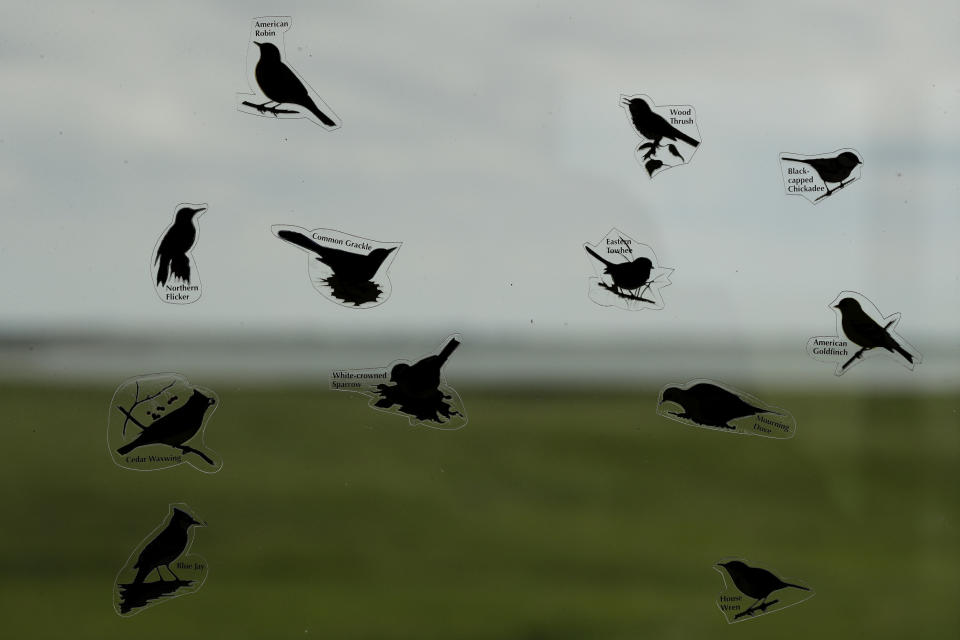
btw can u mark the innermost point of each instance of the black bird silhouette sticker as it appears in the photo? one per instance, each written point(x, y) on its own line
point(280, 84)
point(172, 266)
point(757, 585)
point(714, 405)
point(675, 124)
point(628, 273)
point(349, 270)
point(141, 582)
point(812, 176)
point(862, 332)
point(417, 391)
point(158, 421)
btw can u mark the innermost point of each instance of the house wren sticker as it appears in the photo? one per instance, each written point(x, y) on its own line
point(158, 421)
point(862, 332)
point(669, 134)
point(417, 391)
point(628, 274)
point(819, 176)
point(277, 90)
point(347, 269)
point(173, 269)
point(161, 567)
point(751, 592)
point(714, 405)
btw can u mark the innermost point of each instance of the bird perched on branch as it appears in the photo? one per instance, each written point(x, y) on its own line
point(863, 331)
point(655, 127)
point(626, 276)
point(709, 405)
point(175, 428)
point(282, 85)
point(833, 170)
point(166, 547)
point(755, 582)
point(172, 253)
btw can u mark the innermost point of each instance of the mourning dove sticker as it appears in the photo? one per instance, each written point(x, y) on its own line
point(669, 135)
point(162, 567)
point(817, 177)
point(417, 391)
point(628, 274)
point(173, 269)
point(277, 90)
point(158, 421)
point(349, 270)
point(750, 592)
point(713, 405)
point(862, 332)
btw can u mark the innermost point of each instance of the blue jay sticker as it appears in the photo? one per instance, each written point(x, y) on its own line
point(817, 177)
point(628, 274)
point(161, 567)
point(173, 269)
point(277, 90)
point(713, 405)
point(159, 421)
point(668, 134)
point(750, 591)
point(417, 391)
point(349, 270)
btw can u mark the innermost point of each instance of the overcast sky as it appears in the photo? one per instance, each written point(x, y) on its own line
point(488, 138)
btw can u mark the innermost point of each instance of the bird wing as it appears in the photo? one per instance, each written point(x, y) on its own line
point(864, 330)
point(283, 83)
point(722, 404)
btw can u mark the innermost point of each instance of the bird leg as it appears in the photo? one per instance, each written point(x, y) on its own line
point(176, 577)
point(756, 607)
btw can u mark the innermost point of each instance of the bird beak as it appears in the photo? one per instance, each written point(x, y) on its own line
point(197, 212)
point(259, 44)
point(199, 524)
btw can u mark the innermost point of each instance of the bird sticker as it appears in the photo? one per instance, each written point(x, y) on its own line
point(161, 567)
point(276, 89)
point(714, 405)
point(819, 176)
point(159, 421)
point(628, 274)
point(173, 269)
point(750, 592)
point(669, 134)
point(349, 270)
point(417, 391)
point(862, 332)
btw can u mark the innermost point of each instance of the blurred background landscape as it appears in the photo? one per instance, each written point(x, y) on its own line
point(489, 139)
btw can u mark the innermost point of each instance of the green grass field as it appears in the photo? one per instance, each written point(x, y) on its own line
point(551, 515)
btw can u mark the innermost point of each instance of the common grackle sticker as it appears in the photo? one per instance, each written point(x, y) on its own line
point(714, 405)
point(159, 421)
point(669, 134)
point(347, 269)
point(173, 269)
point(628, 274)
point(862, 332)
point(276, 89)
point(750, 592)
point(819, 176)
point(417, 391)
point(161, 567)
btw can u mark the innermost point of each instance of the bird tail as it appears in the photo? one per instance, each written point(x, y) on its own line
point(300, 240)
point(130, 446)
point(597, 256)
point(448, 349)
point(906, 354)
point(180, 266)
point(795, 586)
point(796, 160)
point(680, 135)
point(162, 271)
point(324, 118)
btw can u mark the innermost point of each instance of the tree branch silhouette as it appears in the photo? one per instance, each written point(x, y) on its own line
point(262, 108)
point(138, 401)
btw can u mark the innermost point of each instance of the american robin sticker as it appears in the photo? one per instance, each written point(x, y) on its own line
point(349, 270)
point(862, 332)
point(714, 405)
point(750, 591)
point(277, 90)
point(669, 135)
point(817, 177)
point(173, 269)
point(628, 274)
point(416, 390)
point(158, 421)
point(161, 567)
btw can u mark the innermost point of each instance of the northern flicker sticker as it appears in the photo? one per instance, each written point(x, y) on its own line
point(713, 405)
point(669, 135)
point(349, 270)
point(173, 269)
point(862, 332)
point(628, 274)
point(158, 421)
point(162, 567)
point(277, 90)
point(817, 177)
point(417, 391)
point(750, 591)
